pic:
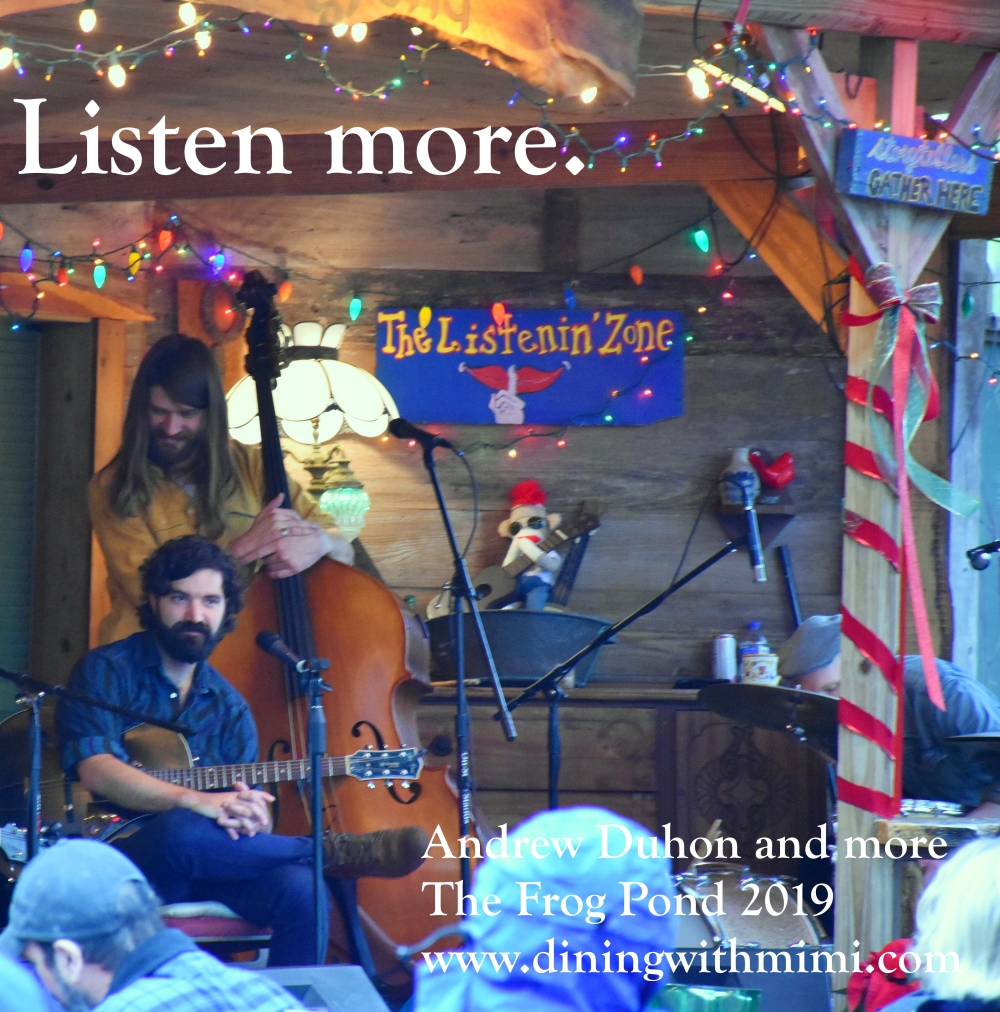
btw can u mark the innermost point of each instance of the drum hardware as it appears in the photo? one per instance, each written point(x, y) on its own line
point(776, 924)
point(808, 717)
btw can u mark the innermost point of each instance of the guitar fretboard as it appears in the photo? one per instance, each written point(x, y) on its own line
point(522, 562)
point(209, 778)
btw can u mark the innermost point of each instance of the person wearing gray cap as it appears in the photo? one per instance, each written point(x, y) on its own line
point(934, 769)
point(87, 920)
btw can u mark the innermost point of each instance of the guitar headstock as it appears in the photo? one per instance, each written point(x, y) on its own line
point(385, 764)
point(256, 295)
point(583, 521)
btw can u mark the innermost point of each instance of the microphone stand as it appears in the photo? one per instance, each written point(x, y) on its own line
point(549, 682)
point(312, 673)
point(461, 591)
point(33, 692)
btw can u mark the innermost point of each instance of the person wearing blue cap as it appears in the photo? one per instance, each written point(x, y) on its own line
point(934, 769)
point(578, 917)
point(88, 921)
point(205, 845)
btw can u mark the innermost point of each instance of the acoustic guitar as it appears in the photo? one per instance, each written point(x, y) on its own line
point(166, 755)
point(496, 586)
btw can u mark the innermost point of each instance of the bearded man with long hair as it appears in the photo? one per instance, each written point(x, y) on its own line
point(178, 473)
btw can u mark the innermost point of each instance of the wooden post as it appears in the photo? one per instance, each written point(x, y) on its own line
point(870, 591)
point(904, 238)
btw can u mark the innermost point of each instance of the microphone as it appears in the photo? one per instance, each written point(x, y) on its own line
point(979, 557)
point(402, 429)
point(271, 643)
point(753, 539)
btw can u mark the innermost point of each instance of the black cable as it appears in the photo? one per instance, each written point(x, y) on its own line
point(475, 498)
point(694, 27)
point(694, 527)
point(646, 249)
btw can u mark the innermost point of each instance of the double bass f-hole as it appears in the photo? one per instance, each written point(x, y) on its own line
point(380, 745)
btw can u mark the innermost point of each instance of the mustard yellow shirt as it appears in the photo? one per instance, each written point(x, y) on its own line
point(128, 542)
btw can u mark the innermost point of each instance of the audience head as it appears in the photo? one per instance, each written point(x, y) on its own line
point(959, 912)
point(78, 909)
point(810, 658)
point(587, 918)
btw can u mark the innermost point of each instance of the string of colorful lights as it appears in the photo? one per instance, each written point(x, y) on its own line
point(116, 63)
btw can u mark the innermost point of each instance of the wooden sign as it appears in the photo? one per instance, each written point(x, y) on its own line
point(908, 170)
point(570, 367)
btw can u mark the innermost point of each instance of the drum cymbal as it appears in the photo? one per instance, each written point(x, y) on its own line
point(808, 717)
point(989, 738)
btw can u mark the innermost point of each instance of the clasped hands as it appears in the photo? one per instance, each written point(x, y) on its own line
point(245, 812)
point(286, 542)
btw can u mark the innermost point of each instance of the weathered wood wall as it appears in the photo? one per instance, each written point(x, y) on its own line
point(758, 371)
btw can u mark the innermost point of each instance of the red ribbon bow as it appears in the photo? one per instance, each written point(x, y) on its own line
point(883, 288)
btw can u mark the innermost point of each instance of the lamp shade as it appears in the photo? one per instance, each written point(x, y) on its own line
point(322, 388)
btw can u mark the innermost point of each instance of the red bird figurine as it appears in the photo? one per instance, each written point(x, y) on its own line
point(777, 474)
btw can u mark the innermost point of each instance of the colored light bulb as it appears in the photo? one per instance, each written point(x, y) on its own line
point(6, 57)
point(100, 275)
point(588, 95)
point(26, 258)
point(88, 18)
point(116, 73)
point(218, 262)
point(359, 31)
point(354, 309)
point(701, 240)
point(187, 14)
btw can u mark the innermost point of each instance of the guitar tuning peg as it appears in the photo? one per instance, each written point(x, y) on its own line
point(371, 785)
point(405, 784)
point(388, 784)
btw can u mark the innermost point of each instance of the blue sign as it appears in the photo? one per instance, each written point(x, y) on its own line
point(908, 170)
point(580, 367)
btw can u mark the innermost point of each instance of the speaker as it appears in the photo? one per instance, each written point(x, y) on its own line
point(329, 988)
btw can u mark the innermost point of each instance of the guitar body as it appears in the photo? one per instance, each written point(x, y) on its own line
point(495, 587)
point(378, 656)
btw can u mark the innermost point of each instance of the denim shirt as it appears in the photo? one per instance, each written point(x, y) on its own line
point(129, 673)
point(938, 770)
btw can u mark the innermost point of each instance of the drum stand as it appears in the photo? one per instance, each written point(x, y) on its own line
point(461, 591)
point(549, 683)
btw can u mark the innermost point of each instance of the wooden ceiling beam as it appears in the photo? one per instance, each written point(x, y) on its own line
point(745, 150)
point(801, 255)
point(967, 22)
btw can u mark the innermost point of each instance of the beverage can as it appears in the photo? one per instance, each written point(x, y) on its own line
point(760, 669)
point(724, 657)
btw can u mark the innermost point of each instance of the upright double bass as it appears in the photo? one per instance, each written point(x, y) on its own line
point(378, 656)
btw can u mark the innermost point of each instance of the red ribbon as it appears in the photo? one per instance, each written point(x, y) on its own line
point(862, 722)
point(856, 391)
point(861, 459)
point(869, 534)
point(901, 368)
point(864, 797)
point(852, 320)
point(872, 647)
